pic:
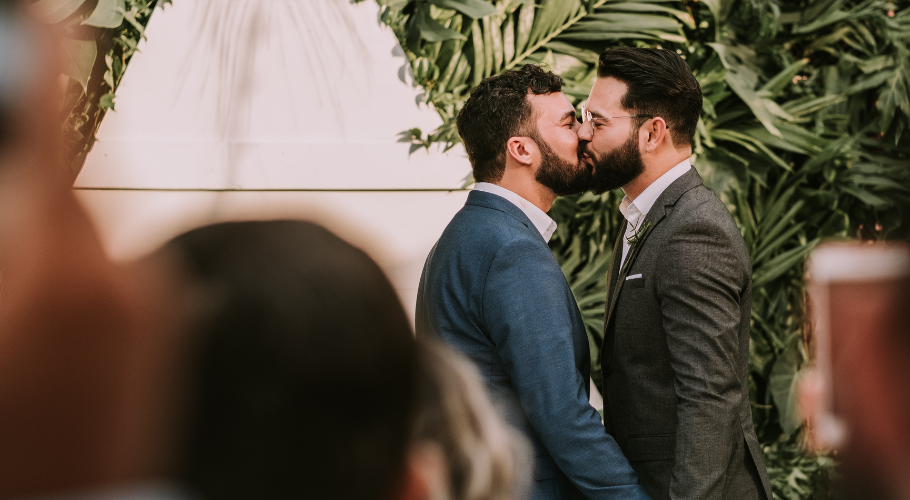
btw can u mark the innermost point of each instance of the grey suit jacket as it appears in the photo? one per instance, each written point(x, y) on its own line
point(492, 289)
point(676, 351)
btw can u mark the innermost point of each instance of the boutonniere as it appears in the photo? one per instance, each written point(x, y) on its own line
point(634, 241)
point(639, 234)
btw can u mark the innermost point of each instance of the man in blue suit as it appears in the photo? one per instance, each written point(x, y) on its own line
point(492, 289)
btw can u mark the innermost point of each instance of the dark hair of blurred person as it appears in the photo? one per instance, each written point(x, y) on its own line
point(302, 380)
point(468, 451)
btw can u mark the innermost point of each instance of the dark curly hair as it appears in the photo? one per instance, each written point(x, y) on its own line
point(498, 109)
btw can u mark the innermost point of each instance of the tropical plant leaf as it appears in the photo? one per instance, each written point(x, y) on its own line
point(107, 14)
point(79, 59)
point(474, 9)
point(55, 11)
point(782, 384)
point(432, 31)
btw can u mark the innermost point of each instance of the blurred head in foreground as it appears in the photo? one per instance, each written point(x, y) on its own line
point(87, 346)
point(302, 377)
point(461, 447)
point(857, 400)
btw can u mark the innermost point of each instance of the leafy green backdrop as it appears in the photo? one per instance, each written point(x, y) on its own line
point(100, 37)
point(803, 135)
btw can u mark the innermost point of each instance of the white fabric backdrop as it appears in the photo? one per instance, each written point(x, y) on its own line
point(239, 109)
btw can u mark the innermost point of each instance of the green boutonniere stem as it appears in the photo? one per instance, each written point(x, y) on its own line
point(638, 235)
point(633, 244)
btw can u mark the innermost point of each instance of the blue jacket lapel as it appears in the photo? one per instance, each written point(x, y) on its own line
point(496, 202)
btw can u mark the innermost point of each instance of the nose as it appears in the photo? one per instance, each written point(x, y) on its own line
point(585, 132)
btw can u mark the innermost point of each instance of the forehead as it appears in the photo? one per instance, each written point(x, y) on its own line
point(550, 106)
point(606, 95)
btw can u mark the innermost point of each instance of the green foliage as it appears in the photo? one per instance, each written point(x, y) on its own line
point(794, 474)
point(100, 37)
point(803, 135)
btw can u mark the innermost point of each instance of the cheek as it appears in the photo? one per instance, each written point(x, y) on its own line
point(568, 137)
point(604, 142)
point(566, 144)
point(611, 140)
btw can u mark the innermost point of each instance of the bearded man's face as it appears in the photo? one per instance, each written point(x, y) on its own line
point(616, 168)
point(559, 174)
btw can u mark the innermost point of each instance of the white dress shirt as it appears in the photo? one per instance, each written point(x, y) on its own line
point(636, 211)
point(544, 224)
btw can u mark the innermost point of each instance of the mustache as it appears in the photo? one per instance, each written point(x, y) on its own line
point(582, 149)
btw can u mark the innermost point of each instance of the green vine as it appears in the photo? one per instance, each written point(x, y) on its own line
point(101, 36)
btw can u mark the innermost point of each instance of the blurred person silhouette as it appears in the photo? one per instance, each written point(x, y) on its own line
point(461, 447)
point(303, 370)
point(857, 397)
point(257, 360)
point(87, 364)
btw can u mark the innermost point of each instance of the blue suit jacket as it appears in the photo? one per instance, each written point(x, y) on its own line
point(492, 289)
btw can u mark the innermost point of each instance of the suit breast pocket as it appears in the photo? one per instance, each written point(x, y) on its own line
point(634, 281)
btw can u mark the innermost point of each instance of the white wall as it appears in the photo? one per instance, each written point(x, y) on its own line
point(238, 109)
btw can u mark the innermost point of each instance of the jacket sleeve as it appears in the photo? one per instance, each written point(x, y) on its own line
point(700, 281)
point(528, 308)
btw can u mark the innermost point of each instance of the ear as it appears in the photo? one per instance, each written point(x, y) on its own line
point(657, 132)
point(522, 149)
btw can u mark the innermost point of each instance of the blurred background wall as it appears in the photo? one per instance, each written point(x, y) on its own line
point(238, 109)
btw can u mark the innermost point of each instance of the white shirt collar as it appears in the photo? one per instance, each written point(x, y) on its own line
point(542, 222)
point(642, 205)
point(636, 211)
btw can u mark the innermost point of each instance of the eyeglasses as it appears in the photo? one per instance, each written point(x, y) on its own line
point(587, 117)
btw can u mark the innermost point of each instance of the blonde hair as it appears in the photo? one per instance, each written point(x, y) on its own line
point(479, 451)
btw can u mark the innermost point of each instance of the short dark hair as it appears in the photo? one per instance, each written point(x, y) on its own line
point(660, 84)
point(303, 379)
point(497, 110)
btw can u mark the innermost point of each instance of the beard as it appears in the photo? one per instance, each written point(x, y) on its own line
point(562, 176)
point(616, 168)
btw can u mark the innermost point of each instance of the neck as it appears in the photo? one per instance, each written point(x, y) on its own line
point(539, 195)
point(651, 173)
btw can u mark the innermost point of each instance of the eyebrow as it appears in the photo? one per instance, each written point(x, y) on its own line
point(569, 115)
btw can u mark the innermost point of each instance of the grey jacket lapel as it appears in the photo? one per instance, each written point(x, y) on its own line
point(607, 342)
point(614, 265)
point(658, 211)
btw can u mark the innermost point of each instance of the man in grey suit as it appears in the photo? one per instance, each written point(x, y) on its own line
point(492, 289)
point(676, 344)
